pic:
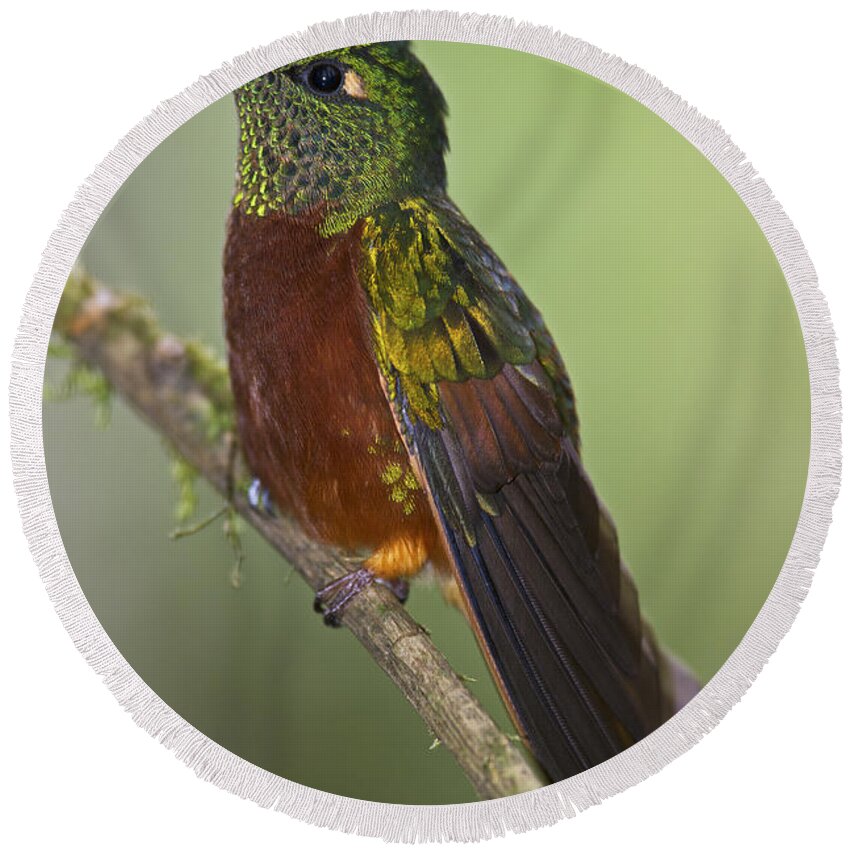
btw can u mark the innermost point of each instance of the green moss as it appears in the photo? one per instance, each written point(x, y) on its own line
point(78, 289)
point(84, 303)
point(211, 374)
point(81, 381)
point(185, 476)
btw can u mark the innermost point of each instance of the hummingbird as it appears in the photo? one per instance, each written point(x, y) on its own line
point(398, 393)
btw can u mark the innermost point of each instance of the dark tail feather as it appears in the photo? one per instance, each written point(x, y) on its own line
point(585, 679)
point(536, 556)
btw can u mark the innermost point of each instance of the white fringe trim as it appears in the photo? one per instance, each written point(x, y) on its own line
point(471, 821)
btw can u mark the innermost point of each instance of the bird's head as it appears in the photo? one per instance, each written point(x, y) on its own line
point(345, 131)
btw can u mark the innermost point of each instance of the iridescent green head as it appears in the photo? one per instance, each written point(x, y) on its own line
point(348, 130)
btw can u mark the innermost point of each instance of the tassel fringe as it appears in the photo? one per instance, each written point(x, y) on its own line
point(470, 821)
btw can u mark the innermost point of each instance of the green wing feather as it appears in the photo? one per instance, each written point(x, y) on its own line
point(486, 409)
point(445, 308)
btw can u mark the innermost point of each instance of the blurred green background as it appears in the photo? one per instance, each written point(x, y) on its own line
point(675, 323)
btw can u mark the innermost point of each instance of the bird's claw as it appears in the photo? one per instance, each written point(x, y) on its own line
point(259, 498)
point(332, 599)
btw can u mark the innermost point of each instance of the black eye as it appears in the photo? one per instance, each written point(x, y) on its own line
point(325, 78)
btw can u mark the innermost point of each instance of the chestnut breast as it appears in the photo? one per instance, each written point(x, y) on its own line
point(312, 417)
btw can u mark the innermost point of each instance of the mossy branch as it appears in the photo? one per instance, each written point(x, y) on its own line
point(183, 392)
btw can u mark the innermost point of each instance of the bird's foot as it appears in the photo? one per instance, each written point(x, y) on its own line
point(259, 498)
point(332, 599)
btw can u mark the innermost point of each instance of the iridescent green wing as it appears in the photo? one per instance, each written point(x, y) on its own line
point(487, 414)
point(446, 309)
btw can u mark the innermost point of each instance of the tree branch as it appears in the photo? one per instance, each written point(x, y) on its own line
point(183, 392)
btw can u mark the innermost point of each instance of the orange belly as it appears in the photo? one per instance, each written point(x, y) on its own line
point(313, 420)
